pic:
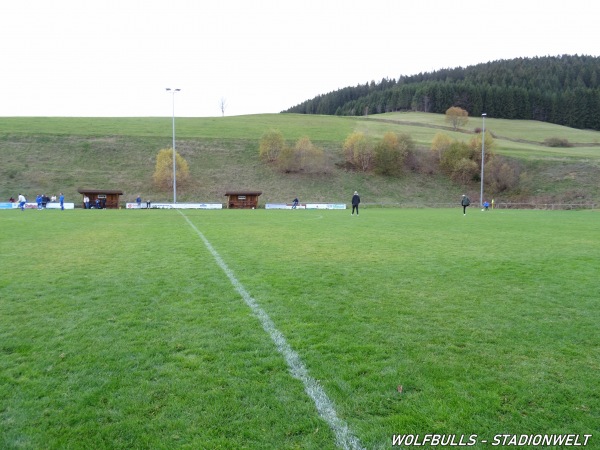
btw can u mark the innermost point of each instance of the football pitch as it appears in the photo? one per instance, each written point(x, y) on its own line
point(296, 329)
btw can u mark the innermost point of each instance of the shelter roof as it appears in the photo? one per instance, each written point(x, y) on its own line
point(242, 192)
point(99, 191)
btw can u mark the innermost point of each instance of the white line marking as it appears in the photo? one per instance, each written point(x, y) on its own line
point(343, 436)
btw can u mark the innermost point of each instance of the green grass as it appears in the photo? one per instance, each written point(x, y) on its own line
point(49, 155)
point(119, 330)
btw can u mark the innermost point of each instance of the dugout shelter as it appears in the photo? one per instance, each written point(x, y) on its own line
point(242, 199)
point(107, 198)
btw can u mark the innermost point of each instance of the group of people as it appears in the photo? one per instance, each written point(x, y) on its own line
point(138, 200)
point(99, 203)
point(355, 203)
point(465, 202)
point(41, 200)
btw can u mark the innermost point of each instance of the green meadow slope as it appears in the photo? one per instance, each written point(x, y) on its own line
point(48, 155)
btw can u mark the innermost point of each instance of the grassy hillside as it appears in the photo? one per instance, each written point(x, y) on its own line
point(48, 155)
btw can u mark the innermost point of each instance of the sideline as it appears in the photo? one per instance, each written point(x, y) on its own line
point(343, 436)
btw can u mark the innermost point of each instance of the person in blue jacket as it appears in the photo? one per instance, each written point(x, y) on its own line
point(61, 199)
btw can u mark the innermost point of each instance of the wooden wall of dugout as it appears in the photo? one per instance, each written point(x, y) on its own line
point(242, 199)
point(109, 198)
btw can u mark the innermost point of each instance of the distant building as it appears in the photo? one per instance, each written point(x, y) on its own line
point(107, 198)
point(242, 199)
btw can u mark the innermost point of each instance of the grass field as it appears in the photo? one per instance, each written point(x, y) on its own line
point(53, 154)
point(120, 330)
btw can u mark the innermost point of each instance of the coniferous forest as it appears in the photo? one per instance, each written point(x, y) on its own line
point(563, 90)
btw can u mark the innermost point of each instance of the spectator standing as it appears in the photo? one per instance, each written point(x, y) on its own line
point(86, 201)
point(38, 200)
point(355, 202)
point(138, 200)
point(61, 199)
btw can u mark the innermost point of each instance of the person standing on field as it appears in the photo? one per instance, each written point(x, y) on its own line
point(355, 202)
point(61, 199)
point(465, 202)
point(22, 201)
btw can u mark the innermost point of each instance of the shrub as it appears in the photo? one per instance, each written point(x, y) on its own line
point(465, 170)
point(304, 156)
point(440, 143)
point(391, 153)
point(271, 145)
point(502, 175)
point(163, 172)
point(557, 142)
point(358, 151)
point(452, 155)
point(422, 161)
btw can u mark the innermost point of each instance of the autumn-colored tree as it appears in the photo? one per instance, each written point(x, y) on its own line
point(312, 158)
point(465, 170)
point(475, 145)
point(271, 145)
point(391, 152)
point(459, 162)
point(304, 156)
point(501, 175)
point(440, 143)
point(456, 116)
point(358, 151)
point(163, 173)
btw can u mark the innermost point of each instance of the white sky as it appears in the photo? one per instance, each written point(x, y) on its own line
point(116, 57)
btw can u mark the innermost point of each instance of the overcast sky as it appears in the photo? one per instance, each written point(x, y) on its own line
point(116, 57)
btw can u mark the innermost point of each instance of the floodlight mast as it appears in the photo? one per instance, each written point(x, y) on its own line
point(482, 158)
point(173, 92)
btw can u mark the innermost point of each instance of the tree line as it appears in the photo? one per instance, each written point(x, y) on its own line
point(563, 90)
point(396, 154)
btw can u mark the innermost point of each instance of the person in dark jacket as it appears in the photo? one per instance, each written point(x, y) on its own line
point(465, 202)
point(355, 202)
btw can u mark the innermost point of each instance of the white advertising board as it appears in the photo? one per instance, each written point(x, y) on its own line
point(157, 205)
point(325, 206)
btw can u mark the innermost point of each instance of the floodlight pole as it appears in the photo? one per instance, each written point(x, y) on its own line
point(173, 91)
point(482, 158)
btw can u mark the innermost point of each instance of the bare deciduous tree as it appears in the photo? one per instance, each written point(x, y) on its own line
point(223, 105)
